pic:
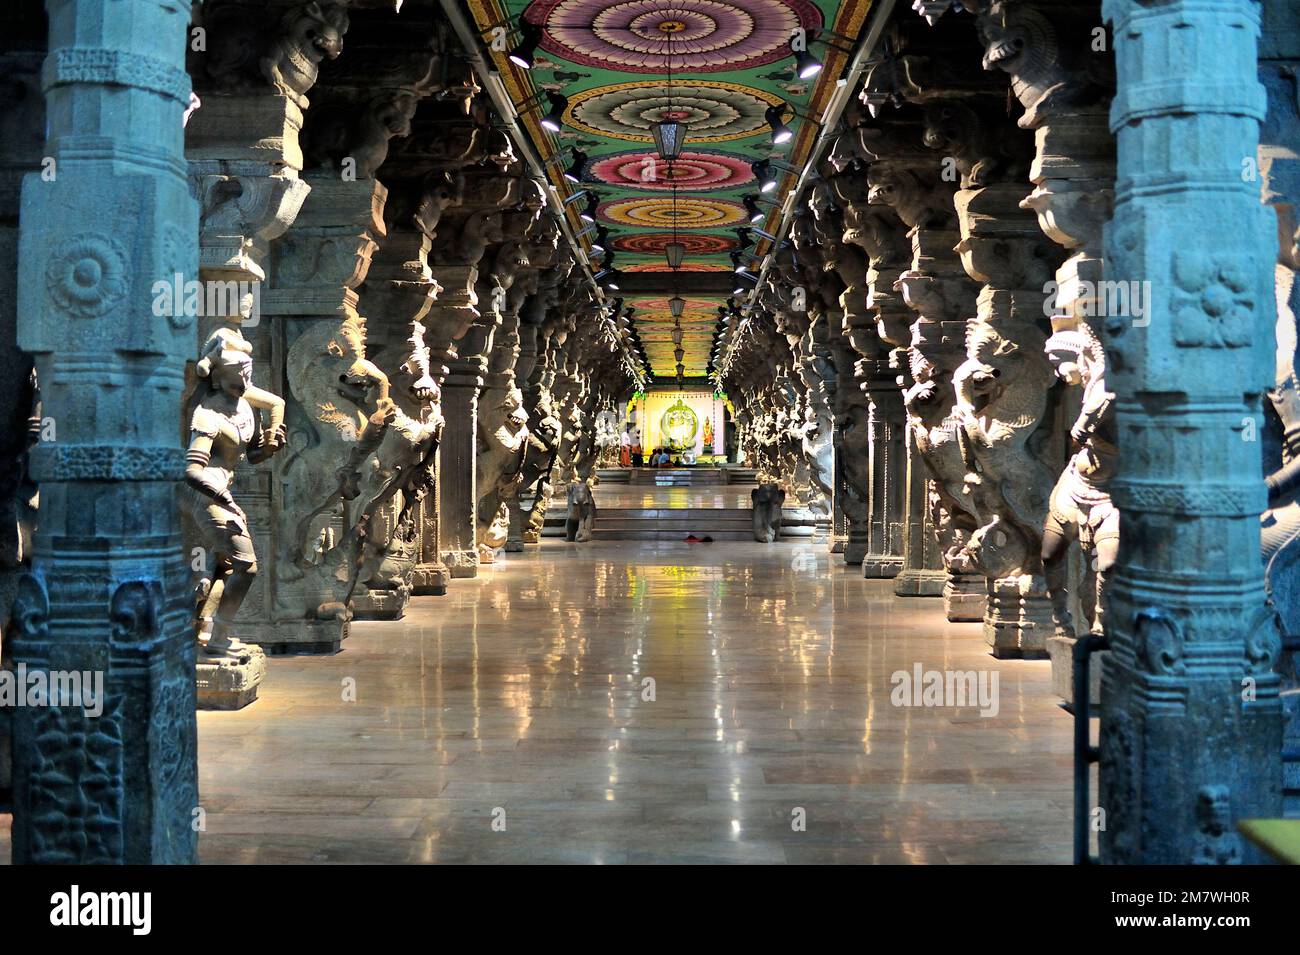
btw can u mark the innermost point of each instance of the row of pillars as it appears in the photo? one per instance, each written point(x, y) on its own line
point(1022, 353)
point(415, 342)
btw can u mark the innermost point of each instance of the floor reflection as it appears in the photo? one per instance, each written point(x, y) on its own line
point(641, 702)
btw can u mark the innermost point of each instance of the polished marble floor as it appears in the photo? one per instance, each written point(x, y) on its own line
point(520, 699)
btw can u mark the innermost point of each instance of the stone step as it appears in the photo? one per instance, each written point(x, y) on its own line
point(606, 534)
point(674, 513)
point(685, 526)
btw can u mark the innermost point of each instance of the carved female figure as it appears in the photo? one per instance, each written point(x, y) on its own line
point(225, 429)
point(1080, 506)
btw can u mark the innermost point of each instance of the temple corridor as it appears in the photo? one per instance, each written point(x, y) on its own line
point(663, 431)
point(523, 690)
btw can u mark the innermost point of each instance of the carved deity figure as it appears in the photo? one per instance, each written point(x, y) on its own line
point(1216, 842)
point(1080, 507)
point(225, 428)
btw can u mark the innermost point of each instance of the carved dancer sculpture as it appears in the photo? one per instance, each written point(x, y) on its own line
point(225, 428)
point(1080, 507)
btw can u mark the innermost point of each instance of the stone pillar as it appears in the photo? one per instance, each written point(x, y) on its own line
point(244, 167)
point(450, 319)
point(1191, 723)
point(457, 487)
point(1003, 391)
point(878, 234)
point(401, 282)
point(399, 291)
point(338, 408)
point(22, 141)
point(107, 593)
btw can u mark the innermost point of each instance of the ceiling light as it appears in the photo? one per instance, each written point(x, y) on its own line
point(806, 65)
point(574, 172)
point(674, 252)
point(751, 207)
point(522, 55)
point(553, 120)
point(780, 131)
point(588, 214)
point(763, 173)
point(677, 305)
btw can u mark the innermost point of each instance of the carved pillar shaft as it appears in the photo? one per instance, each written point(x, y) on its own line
point(107, 595)
point(1191, 722)
point(457, 455)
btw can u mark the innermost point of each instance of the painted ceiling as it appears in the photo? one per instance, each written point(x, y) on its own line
point(715, 65)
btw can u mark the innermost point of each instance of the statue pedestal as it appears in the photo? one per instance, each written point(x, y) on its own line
point(965, 598)
point(230, 683)
point(303, 637)
point(1061, 652)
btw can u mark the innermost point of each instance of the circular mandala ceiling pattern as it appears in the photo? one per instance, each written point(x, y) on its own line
point(656, 244)
point(713, 112)
point(691, 36)
point(690, 171)
point(668, 213)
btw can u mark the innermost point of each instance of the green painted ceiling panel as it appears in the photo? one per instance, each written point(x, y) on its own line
point(717, 66)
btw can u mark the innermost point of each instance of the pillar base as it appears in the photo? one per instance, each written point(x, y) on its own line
point(430, 580)
point(881, 566)
point(381, 604)
point(1018, 621)
point(965, 598)
point(230, 683)
point(462, 563)
point(920, 583)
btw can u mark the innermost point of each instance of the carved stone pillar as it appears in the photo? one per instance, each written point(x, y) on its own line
point(1191, 723)
point(22, 140)
point(451, 316)
point(107, 594)
point(880, 237)
point(902, 179)
point(1065, 83)
point(399, 290)
point(338, 408)
point(1003, 391)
